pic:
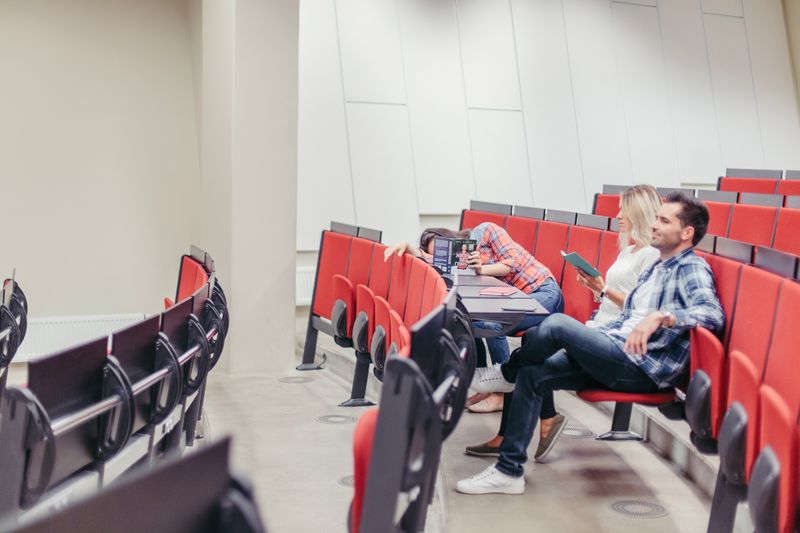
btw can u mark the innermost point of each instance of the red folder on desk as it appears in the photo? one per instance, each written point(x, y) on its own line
point(498, 291)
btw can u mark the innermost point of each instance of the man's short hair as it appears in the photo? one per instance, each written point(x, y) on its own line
point(693, 213)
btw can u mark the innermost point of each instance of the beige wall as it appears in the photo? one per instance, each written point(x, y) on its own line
point(249, 140)
point(98, 152)
point(792, 12)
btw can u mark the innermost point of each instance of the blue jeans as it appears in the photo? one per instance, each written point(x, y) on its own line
point(548, 294)
point(561, 354)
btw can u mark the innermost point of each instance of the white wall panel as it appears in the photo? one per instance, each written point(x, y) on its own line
point(689, 85)
point(501, 161)
point(774, 86)
point(647, 110)
point(732, 8)
point(732, 81)
point(324, 187)
point(547, 100)
point(487, 46)
point(383, 172)
point(638, 2)
point(372, 61)
point(437, 106)
point(598, 96)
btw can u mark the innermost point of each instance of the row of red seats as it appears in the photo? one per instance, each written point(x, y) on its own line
point(743, 392)
point(367, 302)
point(571, 232)
point(744, 180)
point(756, 224)
point(421, 402)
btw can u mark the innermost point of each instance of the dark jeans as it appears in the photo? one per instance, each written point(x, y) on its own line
point(561, 354)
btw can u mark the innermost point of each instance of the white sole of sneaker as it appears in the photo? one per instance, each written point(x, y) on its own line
point(496, 490)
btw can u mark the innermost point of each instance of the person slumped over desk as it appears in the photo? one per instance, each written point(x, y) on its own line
point(645, 350)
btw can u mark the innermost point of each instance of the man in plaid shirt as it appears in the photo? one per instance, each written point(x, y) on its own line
point(645, 350)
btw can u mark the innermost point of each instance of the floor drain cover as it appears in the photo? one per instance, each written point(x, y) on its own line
point(335, 419)
point(577, 433)
point(295, 379)
point(346, 481)
point(639, 509)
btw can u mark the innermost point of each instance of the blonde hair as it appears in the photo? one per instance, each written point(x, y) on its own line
point(639, 205)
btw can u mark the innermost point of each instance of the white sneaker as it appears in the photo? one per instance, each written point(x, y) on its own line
point(491, 481)
point(490, 379)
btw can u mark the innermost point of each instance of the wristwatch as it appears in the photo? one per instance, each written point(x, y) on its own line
point(604, 292)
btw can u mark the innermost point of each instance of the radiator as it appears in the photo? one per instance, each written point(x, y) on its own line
point(304, 285)
point(47, 335)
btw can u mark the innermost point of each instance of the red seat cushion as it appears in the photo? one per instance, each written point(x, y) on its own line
point(552, 239)
point(343, 290)
point(398, 287)
point(192, 276)
point(471, 218)
point(726, 279)
point(416, 291)
point(606, 205)
point(604, 395)
point(760, 185)
point(708, 355)
point(380, 272)
point(789, 187)
point(787, 231)
point(719, 214)
point(362, 454)
point(334, 253)
point(753, 224)
point(523, 231)
point(578, 300)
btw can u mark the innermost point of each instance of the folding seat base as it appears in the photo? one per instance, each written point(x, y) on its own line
point(620, 424)
point(360, 376)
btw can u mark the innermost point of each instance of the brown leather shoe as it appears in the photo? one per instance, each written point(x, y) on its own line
point(547, 443)
point(483, 450)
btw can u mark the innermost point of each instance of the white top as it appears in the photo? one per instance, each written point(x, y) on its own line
point(623, 276)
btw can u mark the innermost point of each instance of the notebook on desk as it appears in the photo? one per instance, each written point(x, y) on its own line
point(497, 291)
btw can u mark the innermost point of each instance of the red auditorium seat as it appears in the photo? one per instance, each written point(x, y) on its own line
point(779, 401)
point(398, 286)
point(378, 285)
point(609, 250)
point(753, 224)
point(551, 240)
point(471, 218)
point(362, 455)
point(416, 291)
point(191, 276)
point(749, 342)
point(579, 301)
point(523, 231)
point(760, 185)
point(344, 286)
point(333, 255)
point(787, 230)
point(606, 205)
point(719, 216)
point(789, 187)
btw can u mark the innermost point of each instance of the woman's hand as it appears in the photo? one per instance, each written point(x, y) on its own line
point(593, 284)
point(399, 249)
point(475, 261)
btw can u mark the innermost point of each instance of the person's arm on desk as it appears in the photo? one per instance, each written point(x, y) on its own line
point(405, 247)
point(497, 270)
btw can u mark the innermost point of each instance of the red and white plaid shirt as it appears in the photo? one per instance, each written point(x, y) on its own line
point(496, 246)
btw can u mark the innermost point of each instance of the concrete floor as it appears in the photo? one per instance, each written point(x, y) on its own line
point(297, 463)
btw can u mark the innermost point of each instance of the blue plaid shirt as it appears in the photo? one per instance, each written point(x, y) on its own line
point(685, 287)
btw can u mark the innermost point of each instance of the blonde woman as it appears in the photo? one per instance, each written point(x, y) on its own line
point(637, 213)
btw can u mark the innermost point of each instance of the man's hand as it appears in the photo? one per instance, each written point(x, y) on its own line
point(636, 343)
point(475, 261)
